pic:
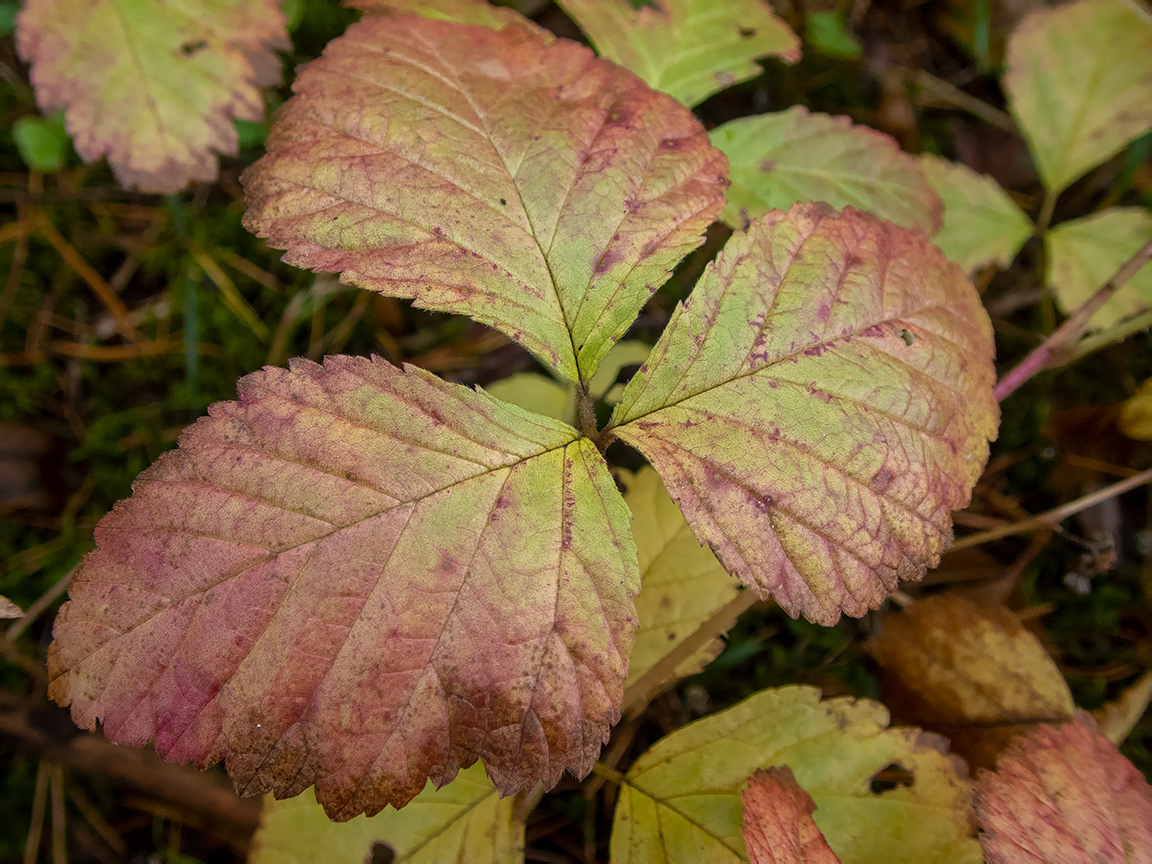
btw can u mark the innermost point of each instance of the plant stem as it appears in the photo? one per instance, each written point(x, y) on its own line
point(610, 774)
point(664, 670)
point(1054, 349)
point(1053, 517)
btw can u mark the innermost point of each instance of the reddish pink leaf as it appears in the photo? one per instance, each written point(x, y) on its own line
point(500, 175)
point(819, 406)
point(778, 824)
point(1064, 793)
point(153, 86)
point(361, 578)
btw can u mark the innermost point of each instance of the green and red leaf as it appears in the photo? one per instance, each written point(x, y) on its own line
point(154, 87)
point(362, 578)
point(819, 406)
point(500, 175)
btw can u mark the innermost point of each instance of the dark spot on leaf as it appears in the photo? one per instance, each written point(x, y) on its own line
point(724, 78)
point(891, 777)
point(671, 637)
point(768, 165)
point(190, 49)
point(882, 479)
point(909, 338)
point(747, 32)
point(503, 201)
point(381, 853)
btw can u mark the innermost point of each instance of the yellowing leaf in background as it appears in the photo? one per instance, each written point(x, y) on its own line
point(153, 86)
point(682, 584)
point(1136, 415)
point(778, 824)
point(680, 803)
point(466, 821)
point(1064, 794)
point(364, 578)
point(1079, 82)
point(1116, 719)
point(819, 406)
point(505, 175)
point(972, 672)
point(688, 48)
point(777, 160)
point(982, 225)
point(535, 392)
point(1085, 253)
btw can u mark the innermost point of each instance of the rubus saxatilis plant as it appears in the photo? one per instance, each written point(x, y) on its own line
point(362, 577)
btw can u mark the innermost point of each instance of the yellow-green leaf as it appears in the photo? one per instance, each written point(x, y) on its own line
point(682, 583)
point(777, 160)
point(680, 803)
point(982, 225)
point(153, 86)
point(819, 406)
point(460, 11)
point(1136, 415)
point(1079, 82)
point(465, 821)
point(689, 48)
point(1085, 253)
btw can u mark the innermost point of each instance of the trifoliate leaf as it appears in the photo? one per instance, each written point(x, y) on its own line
point(1064, 794)
point(459, 11)
point(525, 183)
point(972, 672)
point(362, 578)
point(681, 801)
point(1136, 415)
point(689, 48)
point(42, 141)
point(778, 824)
point(465, 821)
point(154, 87)
point(795, 156)
point(819, 406)
point(1085, 253)
point(8, 609)
point(1078, 81)
point(982, 225)
point(827, 33)
point(682, 583)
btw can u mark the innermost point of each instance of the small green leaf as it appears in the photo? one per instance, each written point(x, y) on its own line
point(43, 142)
point(689, 48)
point(806, 441)
point(828, 34)
point(467, 821)
point(682, 583)
point(8, 12)
point(364, 578)
point(250, 133)
point(680, 803)
point(1083, 254)
point(793, 156)
point(1079, 83)
point(536, 188)
point(293, 13)
point(982, 225)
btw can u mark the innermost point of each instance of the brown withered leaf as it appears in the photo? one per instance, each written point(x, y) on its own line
point(972, 672)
